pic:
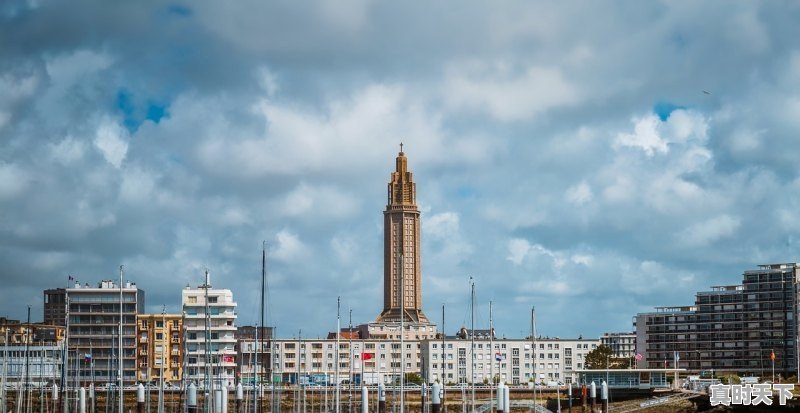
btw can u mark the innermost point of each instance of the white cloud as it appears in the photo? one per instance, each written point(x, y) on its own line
point(645, 136)
point(653, 136)
point(320, 201)
point(345, 248)
point(709, 231)
point(289, 246)
point(583, 259)
point(579, 194)
point(519, 249)
point(234, 216)
point(67, 69)
point(138, 185)
point(449, 246)
point(68, 150)
point(507, 95)
point(111, 139)
point(443, 225)
point(13, 181)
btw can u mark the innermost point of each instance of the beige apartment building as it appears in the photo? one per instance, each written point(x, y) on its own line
point(159, 343)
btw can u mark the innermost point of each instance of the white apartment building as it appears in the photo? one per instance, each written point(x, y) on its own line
point(513, 361)
point(210, 352)
point(623, 345)
point(43, 362)
point(314, 360)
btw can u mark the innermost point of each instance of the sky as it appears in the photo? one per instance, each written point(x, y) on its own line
point(591, 159)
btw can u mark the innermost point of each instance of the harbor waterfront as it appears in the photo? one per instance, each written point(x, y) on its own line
point(309, 399)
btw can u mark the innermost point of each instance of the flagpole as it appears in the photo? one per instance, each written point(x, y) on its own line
point(772, 357)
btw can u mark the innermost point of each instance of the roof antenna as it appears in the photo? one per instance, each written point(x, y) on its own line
point(401, 147)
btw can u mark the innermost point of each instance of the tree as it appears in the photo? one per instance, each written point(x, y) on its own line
point(602, 357)
point(413, 378)
point(599, 358)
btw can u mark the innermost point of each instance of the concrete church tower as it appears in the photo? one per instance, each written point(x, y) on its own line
point(401, 227)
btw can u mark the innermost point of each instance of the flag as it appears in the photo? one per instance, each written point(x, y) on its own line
point(367, 356)
point(638, 357)
point(227, 359)
point(87, 357)
point(772, 355)
point(70, 278)
point(677, 359)
point(499, 357)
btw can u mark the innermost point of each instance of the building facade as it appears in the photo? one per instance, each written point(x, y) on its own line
point(93, 330)
point(38, 364)
point(379, 361)
point(513, 361)
point(160, 343)
point(55, 306)
point(210, 323)
point(19, 333)
point(359, 360)
point(401, 249)
point(730, 329)
point(254, 357)
point(622, 345)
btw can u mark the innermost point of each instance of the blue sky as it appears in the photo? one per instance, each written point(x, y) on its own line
point(592, 160)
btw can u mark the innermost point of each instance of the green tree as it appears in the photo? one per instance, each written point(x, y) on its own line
point(413, 378)
point(599, 358)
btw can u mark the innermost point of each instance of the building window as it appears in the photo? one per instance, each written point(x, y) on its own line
point(192, 299)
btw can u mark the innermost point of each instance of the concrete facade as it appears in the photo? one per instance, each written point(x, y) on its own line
point(401, 227)
point(622, 345)
point(210, 352)
point(93, 324)
point(314, 360)
point(521, 360)
point(160, 342)
point(730, 329)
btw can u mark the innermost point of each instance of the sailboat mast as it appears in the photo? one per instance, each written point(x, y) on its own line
point(402, 332)
point(161, 370)
point(444, 335)
point(259, 344)
point(207, 388)
point(472, 342)
point(27, 363)
point(491, 354)
point(119, 379)
point(336, 379)
point(533, 349)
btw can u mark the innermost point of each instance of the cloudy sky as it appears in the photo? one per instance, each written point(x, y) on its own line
point(592, 159)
